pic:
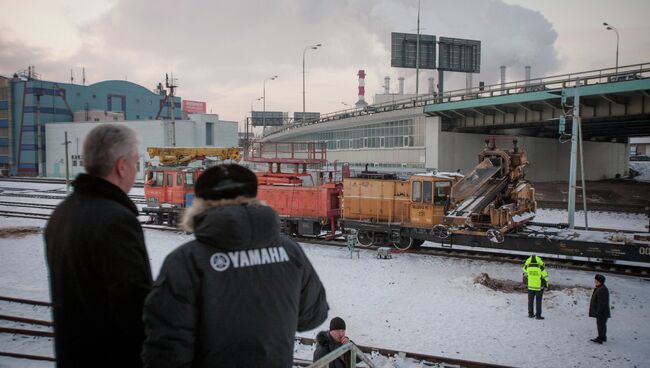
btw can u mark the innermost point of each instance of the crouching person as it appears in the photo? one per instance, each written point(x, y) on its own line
point(234, 296)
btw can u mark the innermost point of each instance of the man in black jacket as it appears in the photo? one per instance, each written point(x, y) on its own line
point(599, 308)
point(98, 263)
point(236, 295)
point(328, 341)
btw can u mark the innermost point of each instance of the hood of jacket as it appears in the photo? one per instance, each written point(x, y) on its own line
point(323, 338)
point(233, 224)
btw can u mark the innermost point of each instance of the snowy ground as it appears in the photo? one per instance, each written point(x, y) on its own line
point(421, 304)
point(411, 303)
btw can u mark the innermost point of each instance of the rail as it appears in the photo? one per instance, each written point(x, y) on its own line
point(344, 349)
point(597, 76)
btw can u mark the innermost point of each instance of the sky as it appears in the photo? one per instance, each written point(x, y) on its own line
point(224, 52)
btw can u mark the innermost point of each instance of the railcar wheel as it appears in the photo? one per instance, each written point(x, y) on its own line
point(417, 243)
point(365, 238)
point(441, 231)
point(495, 236)
point(405, 243)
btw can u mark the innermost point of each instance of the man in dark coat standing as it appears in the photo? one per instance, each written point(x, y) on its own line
point(234, 296)
point(98, 263)
point(328, 341)
point(599, 308)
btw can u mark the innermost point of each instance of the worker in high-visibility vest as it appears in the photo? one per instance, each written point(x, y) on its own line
point(535, 272)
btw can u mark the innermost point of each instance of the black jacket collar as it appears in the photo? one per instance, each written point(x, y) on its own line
point(96, 186)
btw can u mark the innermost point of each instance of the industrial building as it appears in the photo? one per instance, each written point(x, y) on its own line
point(29, 104)
point(203, 130)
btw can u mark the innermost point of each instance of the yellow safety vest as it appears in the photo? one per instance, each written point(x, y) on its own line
point(536, 271)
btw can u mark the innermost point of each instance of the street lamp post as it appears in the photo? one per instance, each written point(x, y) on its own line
point(612, 28)
point(314, 47)
point(264, 99)
point(251, 121)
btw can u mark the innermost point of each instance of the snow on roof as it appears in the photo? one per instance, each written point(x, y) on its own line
point(441, 174)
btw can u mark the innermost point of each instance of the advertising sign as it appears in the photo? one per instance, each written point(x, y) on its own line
point(194, 107)
point(404, 50)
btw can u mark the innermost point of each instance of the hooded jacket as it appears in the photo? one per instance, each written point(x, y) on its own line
point(99, 276)
point(235, 296)
point(325, 345)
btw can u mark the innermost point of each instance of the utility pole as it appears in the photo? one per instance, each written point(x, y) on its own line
point(417, 56)
point(574, 153)
point(39, 153)
point(66, 142)
point(172, 130)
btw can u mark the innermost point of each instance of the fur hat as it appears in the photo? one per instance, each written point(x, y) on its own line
point(600, 278)
point(226, 182)
point(337, 323)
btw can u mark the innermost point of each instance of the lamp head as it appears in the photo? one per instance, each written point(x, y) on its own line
point(605, 24)
point(609, 28)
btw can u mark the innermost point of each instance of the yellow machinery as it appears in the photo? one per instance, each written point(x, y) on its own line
point(183, 155)
point(491, 200)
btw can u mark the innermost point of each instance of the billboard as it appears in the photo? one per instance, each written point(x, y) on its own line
point(309, 116)
point(404, 50)
point(268, 118)
point(459, 55)
point(193, 107)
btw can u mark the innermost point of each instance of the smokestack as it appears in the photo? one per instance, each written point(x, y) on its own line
point(468, 82)
point(387, 85)
point(503, 76)
point(432, 86)
point(71, 77)
point(527, 74)
point(362, 89)
point(401, 85)
point(83, 75)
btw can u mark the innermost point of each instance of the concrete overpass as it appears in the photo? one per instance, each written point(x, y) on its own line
point(446, 131)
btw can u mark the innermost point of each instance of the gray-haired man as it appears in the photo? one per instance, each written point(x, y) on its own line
point(98, 263)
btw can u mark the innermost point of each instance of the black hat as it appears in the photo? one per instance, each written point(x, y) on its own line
point(226, 182)
point(600, 278)
point(337, 323)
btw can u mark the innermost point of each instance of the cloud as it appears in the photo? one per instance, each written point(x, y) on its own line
point(222, 51)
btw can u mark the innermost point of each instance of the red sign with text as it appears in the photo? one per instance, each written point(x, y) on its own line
point(194, 107)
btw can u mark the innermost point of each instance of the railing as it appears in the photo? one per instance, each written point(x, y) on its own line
point(342, 350)
point(598, 76)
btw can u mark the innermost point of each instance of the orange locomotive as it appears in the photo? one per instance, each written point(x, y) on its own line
point(307, 204)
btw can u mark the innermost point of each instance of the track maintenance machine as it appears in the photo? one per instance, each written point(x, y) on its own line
point(488, 202)
point(169, 187)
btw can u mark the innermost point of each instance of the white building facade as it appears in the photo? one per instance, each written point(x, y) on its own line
point(204, 130)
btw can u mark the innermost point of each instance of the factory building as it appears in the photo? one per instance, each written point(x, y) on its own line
point(29, 104)
point(202, 130)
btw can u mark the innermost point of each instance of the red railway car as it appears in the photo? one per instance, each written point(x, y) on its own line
point(308, 204)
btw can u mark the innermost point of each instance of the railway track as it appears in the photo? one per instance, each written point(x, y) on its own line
point(461, 253)
point(137, 199)
point(30, 327)
point(49, 181)
point(36, 333)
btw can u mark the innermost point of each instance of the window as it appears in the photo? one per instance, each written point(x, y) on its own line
point(170, 180)
point(159, 180)
point(179, 180)
point(428, 192)
point(382, 141)
point(74, 163)
point(209, 134)
point(443, 189)
point(416, 193)
point(189, 179)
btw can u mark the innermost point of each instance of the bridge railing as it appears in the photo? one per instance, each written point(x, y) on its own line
point(597, 76)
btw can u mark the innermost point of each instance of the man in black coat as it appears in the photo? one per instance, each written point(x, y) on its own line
point(328, 341)
point(98, 263)
point(599, 308)
point(236, 295)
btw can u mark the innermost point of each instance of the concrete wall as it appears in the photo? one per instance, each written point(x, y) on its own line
point(549, 159)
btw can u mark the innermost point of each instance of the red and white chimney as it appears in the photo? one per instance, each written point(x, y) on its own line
point(362, 89)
